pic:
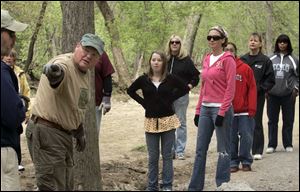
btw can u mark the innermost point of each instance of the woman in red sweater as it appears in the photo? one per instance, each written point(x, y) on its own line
point(244, 104)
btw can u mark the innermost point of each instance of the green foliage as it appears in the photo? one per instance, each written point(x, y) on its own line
point(145, 26)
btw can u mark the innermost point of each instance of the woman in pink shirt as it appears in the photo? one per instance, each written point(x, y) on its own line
point(214, 110)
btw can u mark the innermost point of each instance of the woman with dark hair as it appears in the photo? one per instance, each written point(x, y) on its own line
point(160, 89)
point(214, 111)
point(283, 94)
point(244, 105)
point(265, 80)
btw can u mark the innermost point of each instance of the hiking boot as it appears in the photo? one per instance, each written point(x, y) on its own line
point(289, 149)
point(257, 157)
point(246, 167)
point(270, 150)
point(234, 169)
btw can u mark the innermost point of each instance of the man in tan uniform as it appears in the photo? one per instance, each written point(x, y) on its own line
point(58, 114)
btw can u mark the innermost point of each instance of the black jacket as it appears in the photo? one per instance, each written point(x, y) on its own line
point(12, 109)
point(158, 102)
point(185, 69)
point(263, 70)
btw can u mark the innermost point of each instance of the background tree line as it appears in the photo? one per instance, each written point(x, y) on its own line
point(144, 26)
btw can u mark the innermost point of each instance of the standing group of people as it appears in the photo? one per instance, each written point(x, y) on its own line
point(231, 101)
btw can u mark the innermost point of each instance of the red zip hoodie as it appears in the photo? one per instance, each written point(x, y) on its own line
point(218, 82)
point(245, 94)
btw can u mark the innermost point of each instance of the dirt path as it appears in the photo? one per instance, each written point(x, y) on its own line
point(124, 157)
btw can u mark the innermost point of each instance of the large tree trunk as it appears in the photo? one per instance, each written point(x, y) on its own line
point(269, 32)
point(120, 64)
point(34, 36)
point(191, 32)
point(78, 19)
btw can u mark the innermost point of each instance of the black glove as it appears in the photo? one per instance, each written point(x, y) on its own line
point(78, 134)
point(54, 73)
point(196, 120)
point(25, 101)
point(219, 121)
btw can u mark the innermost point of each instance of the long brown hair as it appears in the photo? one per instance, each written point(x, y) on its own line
point(164, 65)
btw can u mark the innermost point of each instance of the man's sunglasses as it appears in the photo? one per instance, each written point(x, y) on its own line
point(175, 42)
point(214, 37)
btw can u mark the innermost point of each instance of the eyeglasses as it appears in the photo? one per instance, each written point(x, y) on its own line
point(284, 42)
point(214, 37)
point(175, 42)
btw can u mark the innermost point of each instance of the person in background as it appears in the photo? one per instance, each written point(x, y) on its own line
point(58, 114)
point(180, 64)
point(283, 94)
point(24, 90)
point(244, 105)
point(103, 87)
point(159, 90)
point(265, 80)
point(214, 110)
point(12, 106)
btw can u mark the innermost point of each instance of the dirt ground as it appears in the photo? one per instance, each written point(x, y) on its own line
point(123, 156)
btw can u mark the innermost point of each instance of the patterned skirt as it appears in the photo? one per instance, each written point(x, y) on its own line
point(157, 125)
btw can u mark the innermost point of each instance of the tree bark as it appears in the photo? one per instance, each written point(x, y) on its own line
point(191, 32)
point(34, 36)
point(78, 19)
point(269, 32)
point(138, 64)
point(120, 64)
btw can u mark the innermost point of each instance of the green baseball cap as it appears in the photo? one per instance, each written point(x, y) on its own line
point(8, 22)
point(91, 40)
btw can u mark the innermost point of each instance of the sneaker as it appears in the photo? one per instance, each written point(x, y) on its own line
point(233, 169)
point(180, 157)
point(21, 168)
point(257, 157)
point(166, 189)
point(270, 150)
point(246, 167)
point(289, 149)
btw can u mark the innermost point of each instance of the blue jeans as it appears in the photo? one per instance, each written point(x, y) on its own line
point(180, 106)
point(98, 118)
point(206, 127)
point(243, 126)
point(167, 141)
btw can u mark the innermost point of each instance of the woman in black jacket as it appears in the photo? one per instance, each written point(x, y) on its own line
point(181, 64)
point(159, 90)
point(265, 80)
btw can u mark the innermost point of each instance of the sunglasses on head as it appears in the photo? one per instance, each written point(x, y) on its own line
point(175, 42)
point(214, 37)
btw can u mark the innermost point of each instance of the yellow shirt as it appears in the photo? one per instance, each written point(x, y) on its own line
point(24, 88)
point(66, 104)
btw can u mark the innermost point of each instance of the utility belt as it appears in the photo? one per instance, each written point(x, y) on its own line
point(50, 124)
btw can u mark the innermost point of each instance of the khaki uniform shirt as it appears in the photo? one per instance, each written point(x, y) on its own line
point(66, 104)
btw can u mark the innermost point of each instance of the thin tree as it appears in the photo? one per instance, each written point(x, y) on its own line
point(120, 64)
point(34, 36)
point(78, 19)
